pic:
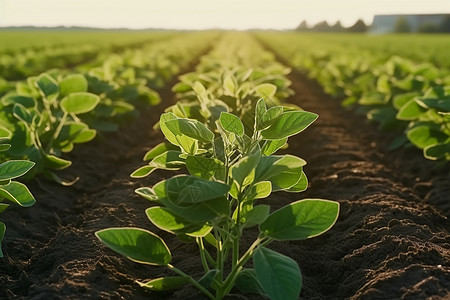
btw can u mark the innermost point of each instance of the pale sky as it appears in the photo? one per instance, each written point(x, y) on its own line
point(201, 14)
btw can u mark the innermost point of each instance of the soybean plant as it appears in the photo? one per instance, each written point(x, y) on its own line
point(230, 170)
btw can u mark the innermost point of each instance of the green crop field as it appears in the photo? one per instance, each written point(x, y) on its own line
point(103, 131)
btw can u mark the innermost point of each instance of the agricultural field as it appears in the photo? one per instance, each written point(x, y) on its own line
point(224, 165)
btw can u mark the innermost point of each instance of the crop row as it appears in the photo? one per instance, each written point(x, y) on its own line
point(45, 116)
point(17, 64)
point(398, 93)
point(225, 135)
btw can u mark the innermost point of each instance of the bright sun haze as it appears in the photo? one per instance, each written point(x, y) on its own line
point(202, 14)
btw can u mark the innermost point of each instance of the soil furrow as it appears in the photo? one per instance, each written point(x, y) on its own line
point(391, 240)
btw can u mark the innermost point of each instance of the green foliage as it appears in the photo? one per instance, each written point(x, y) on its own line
point(136, 244)
point(43, 126)
point(47, 115)
point(403, 93)
point(278, 275)
point(11, 190)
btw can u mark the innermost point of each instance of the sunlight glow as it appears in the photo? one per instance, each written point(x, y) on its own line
point(201, 14)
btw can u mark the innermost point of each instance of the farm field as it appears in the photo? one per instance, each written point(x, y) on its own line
point(380, 148)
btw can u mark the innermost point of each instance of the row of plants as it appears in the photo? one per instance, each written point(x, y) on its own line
point(50, 113)
point(18, 64)
point(224, 135)
point(45, 116)
point(419, 48)
point(398, 93)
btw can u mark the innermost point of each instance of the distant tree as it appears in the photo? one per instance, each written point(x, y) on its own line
point(303, 26)
point(445, 25)
point(359, 26)
point(402, 25)
point(428, 28)
point(337, 27)
point(322, 27)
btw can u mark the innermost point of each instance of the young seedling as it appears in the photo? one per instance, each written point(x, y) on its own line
point(230, 169)
point(11, 190)
point(45, 123)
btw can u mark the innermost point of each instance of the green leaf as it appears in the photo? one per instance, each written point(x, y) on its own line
point(259, 190)
point(260, 110)
point(208, 278)
point(410, 111)
point(442, 105)
point(189, 145)
point(269, 117)
point(286, 179)
point(56, 163)
point(84, 136)
point(147, 193)
point(219, 149)
point(2, 234)
point(5, 134)
point(247, 282)
point(266, 90)
point(73, 83)
point(288, 124)
point(199, 89)
point(399, 100)
point(11, 99)
point(3, 206)
point(136, 244)
point(166, 220)
point(159, 149)
point(383, 85)
point(255, 216)
point(437, 151)
point(14, 168)
point(191, 190)
point(229, 84)
point(75, 132)
point(79, 103)
point(181, 87)
point(4, 147)
point(232, 123)
point(301, 219)
point(301, 185)
point(424, 136)
point(205, 167)
point(18, 193)
point(21, 113)
point(164, 283)
point(271, 146)
point(48, 87)
point(191, 128)
point(243, 171)
point(142, 172)
point(269, 167)
point(169, 160)
point(278, 274)
point(208, 211)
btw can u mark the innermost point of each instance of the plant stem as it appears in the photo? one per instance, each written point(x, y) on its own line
point(229, 281)
point(57, 132)
point(191, 280)
point(219, 258)
point(210, 259)
point(202, 250)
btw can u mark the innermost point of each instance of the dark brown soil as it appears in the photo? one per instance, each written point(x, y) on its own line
point(391, 240)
